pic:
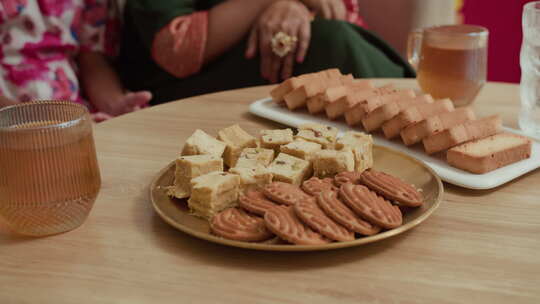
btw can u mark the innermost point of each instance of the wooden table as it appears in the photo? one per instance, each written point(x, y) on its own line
point(478, 247)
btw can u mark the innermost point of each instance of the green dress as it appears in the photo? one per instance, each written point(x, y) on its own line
point(334, 44)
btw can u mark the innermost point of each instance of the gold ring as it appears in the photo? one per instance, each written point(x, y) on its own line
point(282, 44)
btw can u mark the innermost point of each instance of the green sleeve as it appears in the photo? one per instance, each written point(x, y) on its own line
point(147, 17)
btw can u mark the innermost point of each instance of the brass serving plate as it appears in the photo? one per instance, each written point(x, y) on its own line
point(176, 213)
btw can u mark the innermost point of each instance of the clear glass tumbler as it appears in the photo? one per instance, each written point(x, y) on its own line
point(49, 175)
point(529, 117)
point(451, 61)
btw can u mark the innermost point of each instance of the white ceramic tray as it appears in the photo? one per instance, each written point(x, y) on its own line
point(267, 109)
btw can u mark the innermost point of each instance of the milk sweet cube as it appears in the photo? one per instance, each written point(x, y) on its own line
point(201, 143)
point(257, 142)
point(361, 145)
point(252, 177)
point(327, 163)
point(189, 167)
point(213, 192)
point(290, 169)
point(236, 140)
point(251, 157)
point(273, 139)
point(351, 139)
point(301, 149)
point(317, 133)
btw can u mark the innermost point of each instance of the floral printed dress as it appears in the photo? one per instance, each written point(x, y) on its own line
point(39, 43)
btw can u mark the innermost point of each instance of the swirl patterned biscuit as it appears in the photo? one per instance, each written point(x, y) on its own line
point(285, 194)
point(255, 202)
point(339, 212)
point(236, 224)
point(370, 206)
point(312, 215)
point(347, 177)
point(392, 188)
point(283, 221)
point(315, 185)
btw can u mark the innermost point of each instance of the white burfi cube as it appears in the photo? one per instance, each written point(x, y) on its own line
point(361, 145)
point(191, 166)
point(290, 169)
point(273, 139)
point(327, 163)
point(251, 157)
point(252, 178)
point(213, 192)
point(301, 149)
point(236, 140)
point(318, 133)
point(201, 143)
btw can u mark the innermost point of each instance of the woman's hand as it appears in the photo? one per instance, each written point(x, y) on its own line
point(128, 102)
point(291, 18)
point(100, 117)
point(328, 9)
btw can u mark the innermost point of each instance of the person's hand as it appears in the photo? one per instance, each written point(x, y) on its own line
point(129, 102)
point(328, 9)
point(291, 18)
point(100, 116)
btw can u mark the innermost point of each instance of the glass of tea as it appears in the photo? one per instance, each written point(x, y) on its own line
point(451, 61)
point(49, 175)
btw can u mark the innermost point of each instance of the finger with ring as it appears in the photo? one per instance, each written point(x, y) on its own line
point(283, 44)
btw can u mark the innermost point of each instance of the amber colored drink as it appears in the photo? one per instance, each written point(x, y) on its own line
point(458, 74)
point(452, 62)
point(49, 176)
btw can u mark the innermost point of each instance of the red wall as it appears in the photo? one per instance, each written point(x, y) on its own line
point(503, 19)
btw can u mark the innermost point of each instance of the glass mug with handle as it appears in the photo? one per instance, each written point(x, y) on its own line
point(49, 175)
point(450, 60)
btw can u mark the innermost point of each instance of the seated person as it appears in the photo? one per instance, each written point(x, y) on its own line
point(54, 50)
point(181, 48)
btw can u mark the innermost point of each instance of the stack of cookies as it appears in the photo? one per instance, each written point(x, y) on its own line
point(212, 172)
point(320, 211)
point(474, 145)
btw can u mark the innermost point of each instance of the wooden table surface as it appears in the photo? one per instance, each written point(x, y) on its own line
point(478, 247)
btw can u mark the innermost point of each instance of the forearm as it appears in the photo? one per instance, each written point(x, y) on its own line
point(229, 22)
point(4, 102)
point(99, 81)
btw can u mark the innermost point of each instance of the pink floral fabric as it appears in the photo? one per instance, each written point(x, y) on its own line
point(353, 13)
point(40, 40)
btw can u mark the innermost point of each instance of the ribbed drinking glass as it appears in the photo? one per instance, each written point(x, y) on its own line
point(49, 175)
